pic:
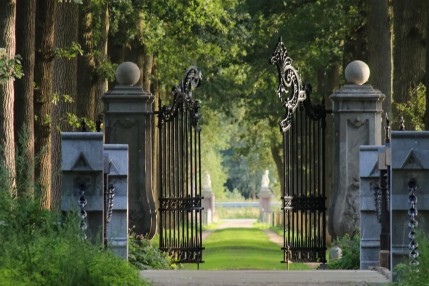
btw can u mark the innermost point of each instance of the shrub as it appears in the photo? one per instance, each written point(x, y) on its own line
point(40, 247)
point(407, 275)
point(143, 255)
point(350, 247)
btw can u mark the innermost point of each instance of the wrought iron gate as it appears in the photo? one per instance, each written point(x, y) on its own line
point(303, 196)
point(180, 173)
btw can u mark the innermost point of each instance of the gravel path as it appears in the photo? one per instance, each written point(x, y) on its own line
point(262, 277)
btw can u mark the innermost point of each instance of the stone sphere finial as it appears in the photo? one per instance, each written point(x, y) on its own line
point(127, 73)
point(357, 72)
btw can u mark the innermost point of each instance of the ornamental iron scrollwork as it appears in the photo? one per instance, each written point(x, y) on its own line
point(182, 204)
point(289, 84)
point(304, 203)
point(182, 97)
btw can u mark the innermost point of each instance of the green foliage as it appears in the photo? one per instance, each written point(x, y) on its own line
point(106, 69)
point(413, 110)
point(41, 247)
point(237, 213)
point(76, 122)
point(143, 255)
point(242, 248)
point(350, 247)
point(408, 275)
point(9, 68)
point(70, 52)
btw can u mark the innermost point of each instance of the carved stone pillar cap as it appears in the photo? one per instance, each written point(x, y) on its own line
point(127, 73)
point(357, 72)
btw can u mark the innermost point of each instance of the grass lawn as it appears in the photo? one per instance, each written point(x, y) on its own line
point(242, 248)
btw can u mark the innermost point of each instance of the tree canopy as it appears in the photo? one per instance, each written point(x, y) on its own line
point(230, 41)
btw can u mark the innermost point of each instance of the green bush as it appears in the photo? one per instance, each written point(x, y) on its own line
point(237, 213)
point(143, 255)
point(40, 247)
point(407, 275)
point(350, 247)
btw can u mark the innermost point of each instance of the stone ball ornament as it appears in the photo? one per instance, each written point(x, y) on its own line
point(357, 72)
point(127, 73)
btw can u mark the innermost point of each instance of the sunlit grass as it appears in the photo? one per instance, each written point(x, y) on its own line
point(242, 248)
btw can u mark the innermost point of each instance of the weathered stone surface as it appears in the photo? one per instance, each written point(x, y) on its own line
point(82, 166)
point(116, 163)
point(129, 120)
point(410, 160)
point(335, 253)
point(127, 73)
point(369, 225)
point(357, 120)
point(357, 72)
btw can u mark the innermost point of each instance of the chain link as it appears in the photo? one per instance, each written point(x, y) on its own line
point(377, 202)
point(413, 224)
point(83, 214)
point(109, 202)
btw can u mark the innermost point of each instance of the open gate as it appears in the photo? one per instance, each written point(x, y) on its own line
point(303, 196)
point(180, 173)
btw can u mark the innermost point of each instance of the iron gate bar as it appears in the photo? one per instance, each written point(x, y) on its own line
point(303, 196)
point(180, 173)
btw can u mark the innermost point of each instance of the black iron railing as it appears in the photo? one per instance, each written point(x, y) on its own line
point(304, 199)
point(180, 184)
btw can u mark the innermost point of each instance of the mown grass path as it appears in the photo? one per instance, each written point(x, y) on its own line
point(242, 248)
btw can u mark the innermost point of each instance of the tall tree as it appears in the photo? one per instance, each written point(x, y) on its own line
point(380, 58)
point(87, 76)
point(24, 88)
point(65, 86)
point(45, 17)
point(426, 83)
point(409, 53)
point(7, 40)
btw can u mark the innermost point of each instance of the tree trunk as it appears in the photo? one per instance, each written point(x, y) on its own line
point(102, 84)
point(426, 116)
point(409, 55)
point(65, 83)
point(43, 95)
point(87, 77)
point(147, 71)
point(277, 151)
point(7, 138)
point(380, 59)
point(330, 81)
point(24, 92)
point(355, 46)
point(155, 146)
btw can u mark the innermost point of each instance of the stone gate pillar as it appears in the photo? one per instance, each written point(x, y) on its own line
point(265, 197)
point(357, 109)
point(208, 201)
point(128, 120)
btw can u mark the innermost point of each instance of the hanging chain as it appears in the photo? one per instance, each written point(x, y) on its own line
point(109, 202)
point(412, 224)
point(377, 201)
point(83, 214)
